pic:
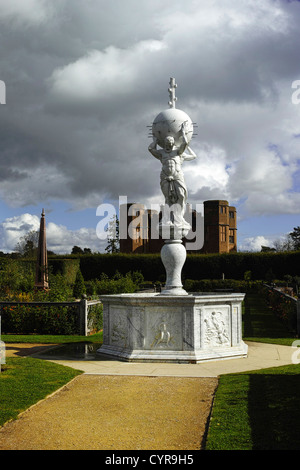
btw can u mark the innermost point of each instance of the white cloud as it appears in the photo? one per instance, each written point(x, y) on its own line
point(270, 204)
point(255, 243)
point(82, 88)
point(263, 174)
point(25, 12)
point(104, 75)
point(60, 239)
point(207, 174)
point(13, 229)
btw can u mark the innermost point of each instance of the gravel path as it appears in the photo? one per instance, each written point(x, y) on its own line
point(96, 412)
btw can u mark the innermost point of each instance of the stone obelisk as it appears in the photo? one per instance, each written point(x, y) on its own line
point(41, 273)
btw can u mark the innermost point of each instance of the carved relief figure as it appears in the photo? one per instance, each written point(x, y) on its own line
point(118, 333)
point(163, 336)
point(216, 331)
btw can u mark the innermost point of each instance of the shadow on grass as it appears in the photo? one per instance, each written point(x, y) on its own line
point(274, 411)
point(259, 320)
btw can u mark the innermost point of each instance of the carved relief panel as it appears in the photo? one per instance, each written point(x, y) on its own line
point(164, 329)
point(216, 326)
point(118, 327)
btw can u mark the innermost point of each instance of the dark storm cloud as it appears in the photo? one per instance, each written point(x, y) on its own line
point(85, 79)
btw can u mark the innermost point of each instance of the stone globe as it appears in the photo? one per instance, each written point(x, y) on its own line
point(169, 123)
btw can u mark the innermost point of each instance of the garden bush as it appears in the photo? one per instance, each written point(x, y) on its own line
point(118, 284)
point(283, 307)
point(42, 319)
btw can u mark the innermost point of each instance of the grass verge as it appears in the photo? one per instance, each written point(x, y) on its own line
point(52, 339)
point(258, 410)
point(25, 381)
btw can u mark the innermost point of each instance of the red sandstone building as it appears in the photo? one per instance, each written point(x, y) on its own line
point(220, 229)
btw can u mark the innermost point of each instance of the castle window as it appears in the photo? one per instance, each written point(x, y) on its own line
point(223, 233)
point(231, 236)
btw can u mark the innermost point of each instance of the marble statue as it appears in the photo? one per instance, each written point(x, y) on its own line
point(173, 325)
point(171, 178)
point(172, 130)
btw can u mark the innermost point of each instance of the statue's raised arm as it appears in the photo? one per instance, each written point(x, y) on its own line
point(153, 149)
point(185, 145)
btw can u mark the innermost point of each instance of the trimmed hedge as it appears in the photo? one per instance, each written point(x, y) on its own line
point(67, 267)
point(265, 266)
point(213, 285)
point(92, 266)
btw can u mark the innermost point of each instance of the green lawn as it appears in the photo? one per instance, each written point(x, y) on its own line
point(257, 410)
point(51, 339)
point(25, 381)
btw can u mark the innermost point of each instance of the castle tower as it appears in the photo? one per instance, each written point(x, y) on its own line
point(139, 224)
point(220, 227)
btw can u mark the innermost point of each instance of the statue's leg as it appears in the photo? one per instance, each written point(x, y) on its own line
point(180, 206)
point(167, 213)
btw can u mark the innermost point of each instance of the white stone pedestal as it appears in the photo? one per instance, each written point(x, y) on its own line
point(173, 256)
point(156, 328)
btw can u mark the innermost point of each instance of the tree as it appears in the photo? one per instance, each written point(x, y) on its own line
point(295, 236)
point(284, 244)
point(267, 248)
point(27, 246)
point(76, 250)
point(79, 287)
point(113, 245)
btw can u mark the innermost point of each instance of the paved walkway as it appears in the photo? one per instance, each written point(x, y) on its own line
point(260, 356)
point(117, 405)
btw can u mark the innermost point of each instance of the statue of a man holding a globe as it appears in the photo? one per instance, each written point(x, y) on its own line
point(171, 178)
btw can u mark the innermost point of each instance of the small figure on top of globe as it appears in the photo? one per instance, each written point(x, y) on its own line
point(172, 130)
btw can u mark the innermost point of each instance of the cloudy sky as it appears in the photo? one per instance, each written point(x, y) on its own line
point(84, 79)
